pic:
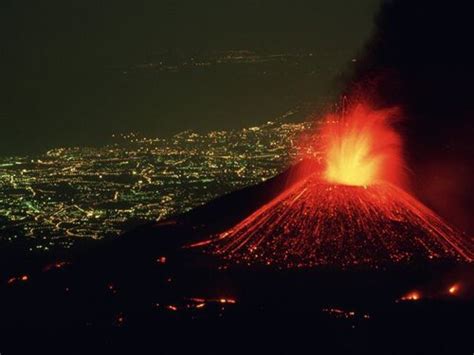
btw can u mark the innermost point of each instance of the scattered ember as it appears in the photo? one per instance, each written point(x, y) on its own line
point(111, 287)
point(213, 300)
point(161, 260)
point(412, 296)
point(11, 280)
point(22, 278)
point(340, 313)
point(199, 303)
point(119, 320)
point(56, 265)
point(227, 300)
point(194, 299)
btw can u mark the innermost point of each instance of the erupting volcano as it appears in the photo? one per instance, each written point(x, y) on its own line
point(350, 212)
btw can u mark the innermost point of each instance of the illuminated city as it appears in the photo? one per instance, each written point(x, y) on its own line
point(69, 193)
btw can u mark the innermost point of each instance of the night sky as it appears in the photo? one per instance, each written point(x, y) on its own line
point(66, 78)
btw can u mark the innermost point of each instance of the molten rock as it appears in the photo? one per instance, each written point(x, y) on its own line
point(317, 223)
point(348, 213)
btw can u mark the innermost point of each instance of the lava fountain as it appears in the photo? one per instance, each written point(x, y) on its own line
point(362, 148)
point(352, 211)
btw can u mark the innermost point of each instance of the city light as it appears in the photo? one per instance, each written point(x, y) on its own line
point(92, 193)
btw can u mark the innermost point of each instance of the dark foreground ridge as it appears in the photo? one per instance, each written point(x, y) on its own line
point(145, 292)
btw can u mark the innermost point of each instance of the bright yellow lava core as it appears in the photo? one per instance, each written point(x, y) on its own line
point(349, 161)
point(361, 147)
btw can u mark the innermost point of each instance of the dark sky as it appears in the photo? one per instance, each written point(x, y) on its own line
point(65, 78)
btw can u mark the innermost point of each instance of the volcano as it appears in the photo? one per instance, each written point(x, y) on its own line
point(350, 212)
point(316, 223)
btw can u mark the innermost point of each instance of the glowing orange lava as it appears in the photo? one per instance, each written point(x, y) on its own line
point(361, 147)
point(348, 211)
point(23, 278)
point(454, 289)
point(412, 296)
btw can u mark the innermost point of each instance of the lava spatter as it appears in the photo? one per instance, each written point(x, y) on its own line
point(316, 223)
point(362, 147)
point(349, 213)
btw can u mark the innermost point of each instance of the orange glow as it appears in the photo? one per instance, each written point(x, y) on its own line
point(454, 289)
point(200, 300)
point(161, 260)
point(227, 300)
point(361, 148)
point(23, 278)
point(56, 265)
point(412, 296)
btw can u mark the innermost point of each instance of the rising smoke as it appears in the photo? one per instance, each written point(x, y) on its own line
point(419, 59)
